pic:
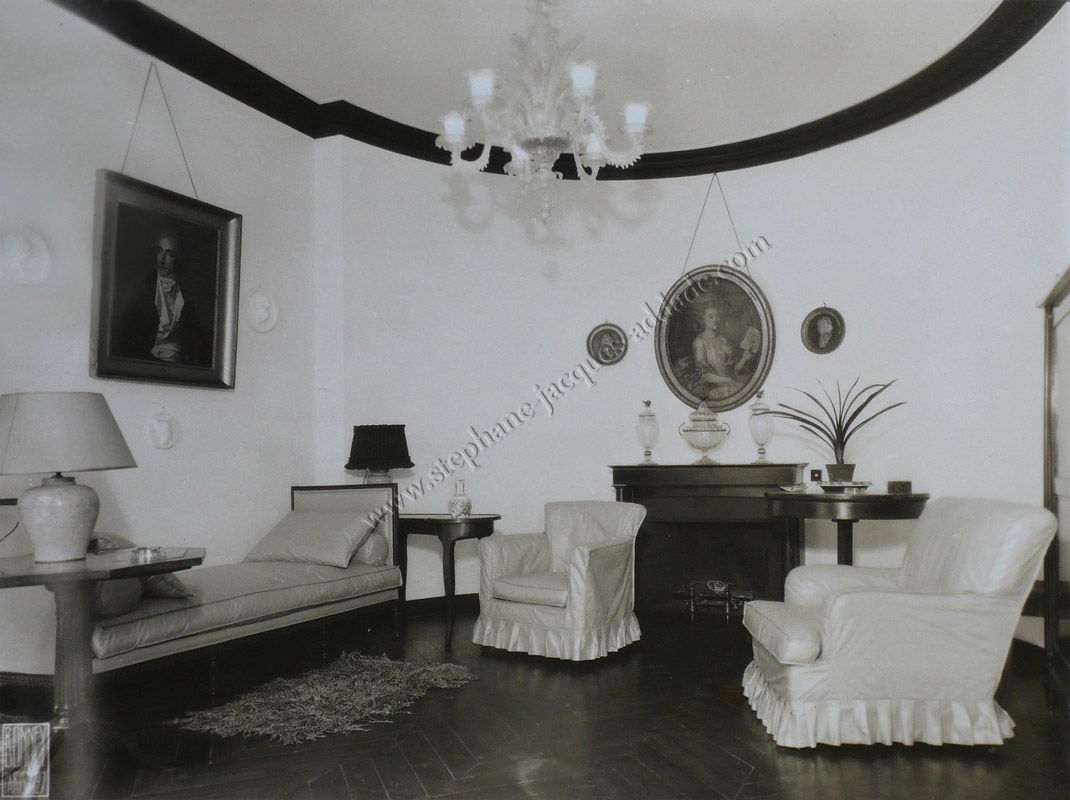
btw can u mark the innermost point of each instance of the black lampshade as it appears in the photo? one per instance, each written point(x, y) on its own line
point(379, 447)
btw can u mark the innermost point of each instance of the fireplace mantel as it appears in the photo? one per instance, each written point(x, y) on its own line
point(709, 523)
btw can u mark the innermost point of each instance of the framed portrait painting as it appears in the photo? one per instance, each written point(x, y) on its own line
point(715, 338)
point(165, 305)
point(823, 330)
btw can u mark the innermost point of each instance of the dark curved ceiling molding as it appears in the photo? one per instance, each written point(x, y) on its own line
point(1003, 33)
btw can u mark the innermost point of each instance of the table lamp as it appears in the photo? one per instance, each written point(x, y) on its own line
point(378, 449)
point(59, 432)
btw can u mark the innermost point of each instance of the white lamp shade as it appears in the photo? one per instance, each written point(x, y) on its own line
point(59, 432)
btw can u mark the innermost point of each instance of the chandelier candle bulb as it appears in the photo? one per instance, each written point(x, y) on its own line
point(482, 86)
point(453, 124)
point(635, 115)
point(583, 77)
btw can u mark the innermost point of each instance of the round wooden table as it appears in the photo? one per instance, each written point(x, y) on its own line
point(846, 509)
point(73, 584)
point(449, 531)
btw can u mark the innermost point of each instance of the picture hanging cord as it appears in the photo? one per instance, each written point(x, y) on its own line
point(170, 116)
point(726, 210)
point(731, 222)
point(697, 223)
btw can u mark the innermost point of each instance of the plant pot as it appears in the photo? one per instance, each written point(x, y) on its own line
point(840, 473)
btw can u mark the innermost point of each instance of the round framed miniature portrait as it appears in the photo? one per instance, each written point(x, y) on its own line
point(823, 330)
point(607, 344)
point(715, 337)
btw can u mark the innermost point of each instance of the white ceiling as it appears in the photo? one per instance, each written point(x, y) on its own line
point(714, 71)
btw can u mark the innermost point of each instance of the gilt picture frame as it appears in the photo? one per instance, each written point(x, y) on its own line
point(165, 296)
point(715, 337)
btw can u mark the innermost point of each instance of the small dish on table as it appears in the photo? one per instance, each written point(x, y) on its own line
point(844, 487)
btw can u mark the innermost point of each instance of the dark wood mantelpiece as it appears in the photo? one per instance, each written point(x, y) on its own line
point(714, 476)
point(709, 522)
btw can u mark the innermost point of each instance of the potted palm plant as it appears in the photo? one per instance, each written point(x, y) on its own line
point(838, 421)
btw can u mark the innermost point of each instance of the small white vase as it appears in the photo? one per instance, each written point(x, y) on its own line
point(460, 504)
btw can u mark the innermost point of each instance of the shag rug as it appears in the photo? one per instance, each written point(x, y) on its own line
point(340, 698)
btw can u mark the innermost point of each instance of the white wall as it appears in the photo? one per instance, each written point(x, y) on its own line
point(69, 95)
point(935, 238)
point(409, 293)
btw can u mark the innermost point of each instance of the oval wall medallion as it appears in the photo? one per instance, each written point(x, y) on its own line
point(24, 257)
point(163, 430)
point(261, 312)
point(823, 330)
point(607, 343)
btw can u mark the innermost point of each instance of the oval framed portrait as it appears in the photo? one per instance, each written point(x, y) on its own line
point(823, 330)
point(607, 344)
point(715, 337)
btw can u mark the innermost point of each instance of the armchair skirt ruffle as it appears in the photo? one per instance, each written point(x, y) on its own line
point(541, 640)
point(874, 720)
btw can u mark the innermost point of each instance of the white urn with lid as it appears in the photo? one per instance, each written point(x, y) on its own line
point(703, 432)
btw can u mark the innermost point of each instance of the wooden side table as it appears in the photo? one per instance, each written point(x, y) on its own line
point(846, 509)
point(449, 531)
point(73, 583)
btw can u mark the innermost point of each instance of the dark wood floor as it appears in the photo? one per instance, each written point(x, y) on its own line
point(664, 718)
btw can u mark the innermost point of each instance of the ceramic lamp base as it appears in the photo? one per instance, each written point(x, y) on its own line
point(59, 516)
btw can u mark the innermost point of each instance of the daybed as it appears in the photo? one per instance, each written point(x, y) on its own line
point(278, 585)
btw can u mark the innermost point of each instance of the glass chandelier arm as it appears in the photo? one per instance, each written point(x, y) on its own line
point(590, 120)
point(583, 164)
point(592, 159)
point(477, 164)
point(627, 157)
point(456, 141)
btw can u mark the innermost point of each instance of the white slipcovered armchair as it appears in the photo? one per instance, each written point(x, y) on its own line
point(914, 654)
point(568, 592)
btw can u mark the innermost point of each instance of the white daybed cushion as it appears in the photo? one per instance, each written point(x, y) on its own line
point(233, 594)
point(315, 537)
point(375, 550)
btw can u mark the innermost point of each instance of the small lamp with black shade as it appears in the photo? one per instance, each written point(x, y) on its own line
point(57, 432)
point(379, 449)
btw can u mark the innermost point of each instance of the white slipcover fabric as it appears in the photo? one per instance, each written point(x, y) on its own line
point(540, 589)
point(907, 655)
point(229, 595)
point(792, 634)
point(585, 557)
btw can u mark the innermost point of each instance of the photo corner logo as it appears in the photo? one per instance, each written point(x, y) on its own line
point(24, 747)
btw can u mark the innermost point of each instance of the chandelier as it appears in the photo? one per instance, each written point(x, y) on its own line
point(543, 108)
